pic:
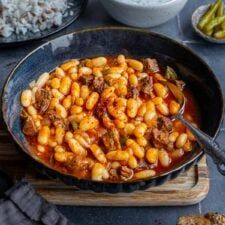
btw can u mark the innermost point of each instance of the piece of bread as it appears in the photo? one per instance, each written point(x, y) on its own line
point(193, 220)
point(215, 218)
point(207, 219)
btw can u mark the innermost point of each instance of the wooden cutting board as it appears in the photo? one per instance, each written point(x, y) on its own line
point(189, 188)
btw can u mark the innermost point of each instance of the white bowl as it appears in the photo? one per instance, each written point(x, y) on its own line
point(149, 15)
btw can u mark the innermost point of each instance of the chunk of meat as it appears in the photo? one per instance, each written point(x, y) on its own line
point(161, 133)
point(126, 173)
point(148, 133)
point(113, 174)
point(151, 65)
point(164, 123)
point(157, 144)
point(46, 122)
point(121, 173)
point(142, 165)
point(160, 136)
point(101, 109)
point(111, 139)
point(132, 92)
point(29, 127)
point(87, 80)
point(147, 86)
point(42, 98)
point(51, 115)
point(56, 120)
point(160, 144)
point(98, 84)
point(78, 165)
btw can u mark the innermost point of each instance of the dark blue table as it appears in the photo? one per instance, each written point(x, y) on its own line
point(180, 29)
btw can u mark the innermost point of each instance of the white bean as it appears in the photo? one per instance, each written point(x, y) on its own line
point(42, 80)
point(26, 98)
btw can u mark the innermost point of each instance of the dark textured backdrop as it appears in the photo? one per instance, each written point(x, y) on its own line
point(180, 29)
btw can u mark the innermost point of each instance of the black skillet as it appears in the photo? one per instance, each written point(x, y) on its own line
point(111, 41)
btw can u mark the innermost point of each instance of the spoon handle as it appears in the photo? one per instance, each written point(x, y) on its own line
point(207, 143)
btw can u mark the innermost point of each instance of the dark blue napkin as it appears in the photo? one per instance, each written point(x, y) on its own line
point(21, 205)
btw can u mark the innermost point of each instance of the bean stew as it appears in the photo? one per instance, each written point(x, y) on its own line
point(108, 118)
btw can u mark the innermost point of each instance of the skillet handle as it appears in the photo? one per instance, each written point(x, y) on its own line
point(207, 143)
point(218, 156)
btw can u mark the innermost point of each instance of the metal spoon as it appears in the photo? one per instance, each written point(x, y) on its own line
point(205, 141)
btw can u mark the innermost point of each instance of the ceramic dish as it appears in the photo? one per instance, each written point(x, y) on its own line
point(148, 15)
point(199, 12)
point(113, 41)
point(76, 8)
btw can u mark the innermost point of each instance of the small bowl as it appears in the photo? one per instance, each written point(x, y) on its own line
point(197, 15)
point(149, 15)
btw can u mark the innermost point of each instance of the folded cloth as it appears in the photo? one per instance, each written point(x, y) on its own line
point(21, 205)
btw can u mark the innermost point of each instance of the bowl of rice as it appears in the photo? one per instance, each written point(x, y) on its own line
point(143, 13)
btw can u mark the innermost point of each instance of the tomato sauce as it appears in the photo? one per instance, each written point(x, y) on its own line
point(191, 113)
